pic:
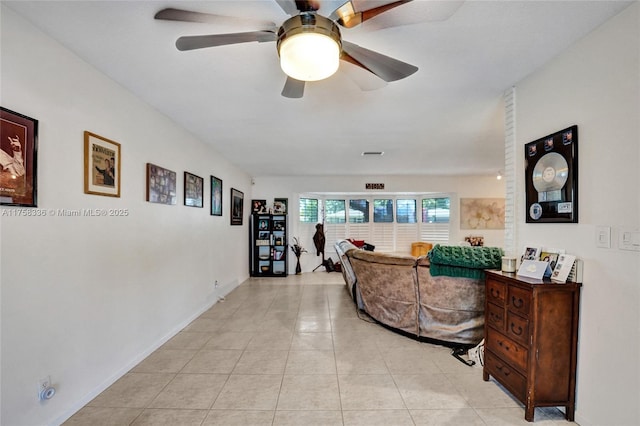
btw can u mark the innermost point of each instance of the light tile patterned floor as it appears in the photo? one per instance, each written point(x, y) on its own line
point(294, 351)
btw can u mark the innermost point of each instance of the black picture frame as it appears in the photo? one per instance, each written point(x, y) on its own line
point(280, 205)
point(161, 185)
point(18, 158)
point(193, 190)
point(551, 178)
point(216, 196)
point(258, 206)
point(237, 206)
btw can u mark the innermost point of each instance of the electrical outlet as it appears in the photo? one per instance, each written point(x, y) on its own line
point(43, 385)
point(215, 285)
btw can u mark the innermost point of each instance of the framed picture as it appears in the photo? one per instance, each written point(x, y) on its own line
point(18, 149)
point(280, 205)
point(101, 165)
point(475, 240)
point(531, 253)
point(193, 190)
point(161, 185)
point(550, 255)
point(258, 206)
point(482, 213)
point(237, 200)
point(216, 196)
point(551, 178)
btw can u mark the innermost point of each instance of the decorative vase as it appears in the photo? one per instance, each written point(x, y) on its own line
point(298, 268)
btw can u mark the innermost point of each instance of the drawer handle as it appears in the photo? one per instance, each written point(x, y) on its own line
point(504, 345)
point(503, 370)
point(517, 332)
point(495, 318)
point(495, 293)
point(517, 303)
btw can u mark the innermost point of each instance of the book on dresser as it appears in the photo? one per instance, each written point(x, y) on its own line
point(531, 339)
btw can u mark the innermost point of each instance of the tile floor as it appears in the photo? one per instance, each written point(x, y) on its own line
point(293, 351)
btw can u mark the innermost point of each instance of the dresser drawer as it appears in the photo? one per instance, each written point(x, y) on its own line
point(495, 316)
point(519, 301)
point(507, 349)
point(518, 328)
point(496, 292)
point(510, 378)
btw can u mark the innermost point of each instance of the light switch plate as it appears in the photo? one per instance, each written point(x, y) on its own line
point(603, 236)
point(629, 239)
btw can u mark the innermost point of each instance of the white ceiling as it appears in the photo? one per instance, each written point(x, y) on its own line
point(445, 119)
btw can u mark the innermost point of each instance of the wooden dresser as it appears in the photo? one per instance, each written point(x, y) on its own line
point(531, 339)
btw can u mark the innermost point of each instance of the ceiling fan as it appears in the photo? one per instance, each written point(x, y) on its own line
point(310, 45)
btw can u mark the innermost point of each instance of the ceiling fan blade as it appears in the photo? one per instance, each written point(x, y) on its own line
point(347, 16)
point(171, 14)
point(383, 66)
point(289, 6)
point(212, 40)
point(293, 88)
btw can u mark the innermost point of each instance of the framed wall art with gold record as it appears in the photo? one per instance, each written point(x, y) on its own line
point(551, 176)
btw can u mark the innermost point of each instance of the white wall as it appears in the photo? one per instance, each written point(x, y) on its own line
point(459, 186)
point(595, 84)
point(85, 298)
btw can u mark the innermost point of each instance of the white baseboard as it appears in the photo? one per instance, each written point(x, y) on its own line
point(137, 359)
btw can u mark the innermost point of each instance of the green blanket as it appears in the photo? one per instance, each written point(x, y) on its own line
point(468, 262)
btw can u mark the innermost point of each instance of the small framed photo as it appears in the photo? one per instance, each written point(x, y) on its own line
point(531, 253)
point(193, 190)
point(161, 185)
point(237, 206)
point(550, 255)
point(280, 205)
point(475, 240)
point(101, 165)
point(258, 206)
point(216, 196)
point(18, 149)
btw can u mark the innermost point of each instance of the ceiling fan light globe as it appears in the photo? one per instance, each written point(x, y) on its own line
point(309, 56)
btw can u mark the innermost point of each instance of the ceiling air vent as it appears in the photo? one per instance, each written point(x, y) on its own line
point(372, 153)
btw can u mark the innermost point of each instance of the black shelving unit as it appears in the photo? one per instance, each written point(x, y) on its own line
point(268, 245)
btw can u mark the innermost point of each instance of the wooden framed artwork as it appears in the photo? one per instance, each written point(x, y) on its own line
point(102, 160)
point(161, 185)
point(551, 178)
point(237, 207)
point(193, 190)
point(18, 158)
point(216, 196)
point(280, 205)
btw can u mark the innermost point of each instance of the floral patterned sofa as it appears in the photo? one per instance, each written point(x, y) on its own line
point(401, 292)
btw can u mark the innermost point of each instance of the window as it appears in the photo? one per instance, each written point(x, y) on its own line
point(391, 224)
point(435, 210)
point(406, 211)
point(335, 211)
point(435, 219)
point(308, 210)
point(383, 211)
point(358, 211)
